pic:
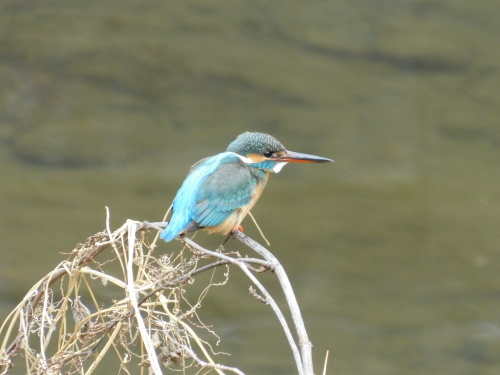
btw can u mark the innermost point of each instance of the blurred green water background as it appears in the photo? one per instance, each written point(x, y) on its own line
point(393, 250)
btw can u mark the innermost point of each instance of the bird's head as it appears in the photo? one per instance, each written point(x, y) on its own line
point(265, 152)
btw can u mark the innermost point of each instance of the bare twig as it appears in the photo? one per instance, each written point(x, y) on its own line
point(304, 343)
point(132, 295)
point(270, 301)
point(326, 362)
point(148, 307)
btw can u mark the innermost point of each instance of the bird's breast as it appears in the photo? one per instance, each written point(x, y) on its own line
point(234, 220)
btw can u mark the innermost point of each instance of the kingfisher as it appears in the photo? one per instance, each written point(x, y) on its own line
point(220, 190)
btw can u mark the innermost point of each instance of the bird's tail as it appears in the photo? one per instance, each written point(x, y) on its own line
point(168, 235)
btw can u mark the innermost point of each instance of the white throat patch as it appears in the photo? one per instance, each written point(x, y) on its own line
point(277, 167)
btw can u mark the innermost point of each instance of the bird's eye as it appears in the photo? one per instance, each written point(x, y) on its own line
point(268, 154)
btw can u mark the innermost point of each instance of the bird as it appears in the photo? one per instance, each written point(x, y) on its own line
point(220, 190)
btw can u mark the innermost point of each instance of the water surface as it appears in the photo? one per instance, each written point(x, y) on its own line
point(393, 249)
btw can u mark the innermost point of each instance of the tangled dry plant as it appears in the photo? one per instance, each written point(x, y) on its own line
point(152, 324)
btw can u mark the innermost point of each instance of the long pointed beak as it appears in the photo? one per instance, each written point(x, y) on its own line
point(297, 157)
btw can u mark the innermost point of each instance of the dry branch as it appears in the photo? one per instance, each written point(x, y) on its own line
point(63, 325)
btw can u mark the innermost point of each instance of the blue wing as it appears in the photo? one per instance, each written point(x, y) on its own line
point(214, 189)
point(230, 187)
